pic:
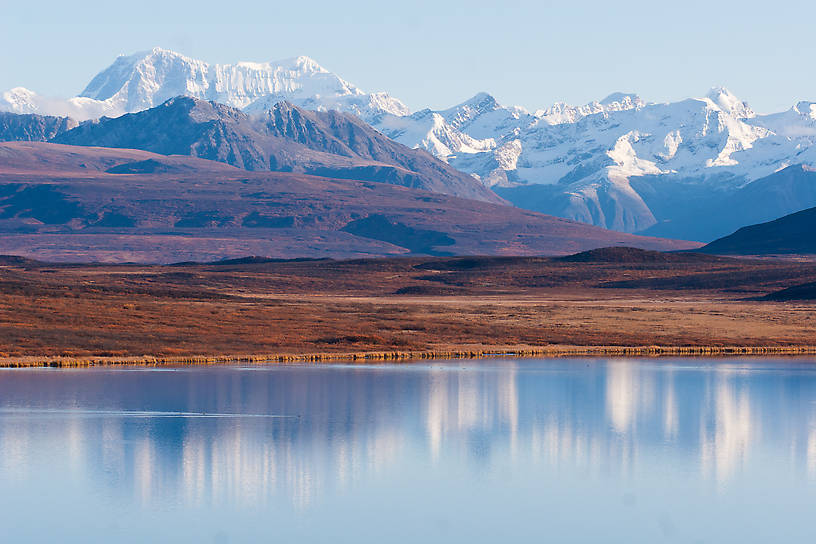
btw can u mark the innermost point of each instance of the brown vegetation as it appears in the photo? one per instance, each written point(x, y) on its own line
point(409, 306)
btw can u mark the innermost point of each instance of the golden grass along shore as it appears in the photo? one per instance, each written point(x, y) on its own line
point(412, 356)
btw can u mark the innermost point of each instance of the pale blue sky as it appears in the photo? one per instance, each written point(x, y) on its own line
point(438, 53)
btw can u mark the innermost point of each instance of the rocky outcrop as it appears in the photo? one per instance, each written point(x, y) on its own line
point(32, 128)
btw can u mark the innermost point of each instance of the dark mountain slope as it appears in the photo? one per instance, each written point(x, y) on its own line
point(285, 139)
point(706, 214)
point(46, 159)
point(182, 126)
point(342, 134)
point(790, 190)
point(32, 128)
point(791, 234)
point(693, 210)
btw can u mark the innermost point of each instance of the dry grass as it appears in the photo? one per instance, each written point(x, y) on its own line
point(279, 311)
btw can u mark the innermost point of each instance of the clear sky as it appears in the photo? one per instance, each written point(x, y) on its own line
point(438, 53)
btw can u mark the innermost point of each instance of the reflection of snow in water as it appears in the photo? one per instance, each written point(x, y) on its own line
point(725, 448)
point(622, 395)
point(468, 404)
point(811, 453)
point(243, 438)
point(73, 414)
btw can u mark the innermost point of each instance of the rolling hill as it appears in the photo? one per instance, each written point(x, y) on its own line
point(74, 203)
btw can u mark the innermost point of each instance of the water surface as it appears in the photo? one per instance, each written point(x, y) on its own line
point(459, 451)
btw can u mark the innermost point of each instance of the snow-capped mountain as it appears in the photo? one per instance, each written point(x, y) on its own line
point(579, 162)
point(621, 162)
point(797, 122)
point(144, 80)
point(564, 113)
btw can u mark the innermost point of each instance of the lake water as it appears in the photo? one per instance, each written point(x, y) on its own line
point(458, 451)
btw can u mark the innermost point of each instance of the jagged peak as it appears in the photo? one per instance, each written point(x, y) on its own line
point(19, 100)
point(200, 110)
point(562, 112)
point(728, 102)
point(111, 80)
point(718, 91)
point(481, 100)
point(183, 100)
point(20, 91)
point(300, 61)
point(622, 98)
point(470, 109)
point(165, 52)
point(134, 58)
point(285, 111)
point(284, 107)
point(303, 62)
point(141, 80)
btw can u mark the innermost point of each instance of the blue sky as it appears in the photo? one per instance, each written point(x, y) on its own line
point(438, 53)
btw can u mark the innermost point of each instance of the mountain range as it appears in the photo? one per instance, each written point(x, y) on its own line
point(623, 163)
point(285, 138)
point(696, 169)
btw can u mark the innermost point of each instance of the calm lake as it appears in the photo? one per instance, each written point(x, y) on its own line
point(455, 451)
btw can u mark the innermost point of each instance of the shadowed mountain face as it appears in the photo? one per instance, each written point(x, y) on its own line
point(71, 203)
point(692, 211)
point(792, 234)
point(283, 139)
point(713, 214)
point(379, 227)
point(32, 128)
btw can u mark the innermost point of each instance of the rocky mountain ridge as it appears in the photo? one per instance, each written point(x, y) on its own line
point(284, 139)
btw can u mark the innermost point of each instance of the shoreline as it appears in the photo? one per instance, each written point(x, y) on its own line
point(411, 356)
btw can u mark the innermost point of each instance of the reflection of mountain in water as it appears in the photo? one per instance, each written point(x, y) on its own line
point(348, 425)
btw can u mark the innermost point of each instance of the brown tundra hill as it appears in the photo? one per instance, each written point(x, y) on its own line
point(71, 203)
